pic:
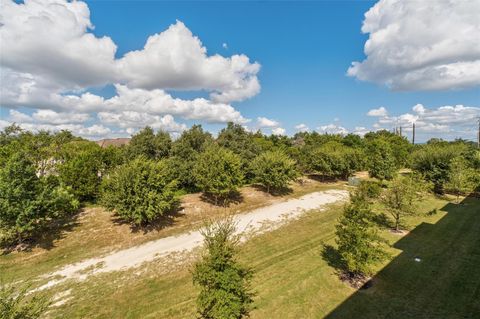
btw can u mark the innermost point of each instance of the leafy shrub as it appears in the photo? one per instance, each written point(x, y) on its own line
point(274, 170)
point(139, 191)
point(29, 203)
point(218, 172)
point(224, 283)
point(19, 304)
point(359, 245)
point(381, 161)
point(81, 168)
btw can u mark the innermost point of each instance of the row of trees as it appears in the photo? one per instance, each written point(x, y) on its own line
point(142, 181)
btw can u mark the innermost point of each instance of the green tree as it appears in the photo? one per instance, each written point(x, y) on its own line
point(460, 177)
point(235, 138)
point(224, 283)
point(359, 245)
point(81, 167)
point(19, 304)
point(218, 172)
point(29, 203)
point(185, 151)
point(402, 197)
point(147, 143)
point(433, 161)
point(139, 191)
point(273, 170)
point(381, 162)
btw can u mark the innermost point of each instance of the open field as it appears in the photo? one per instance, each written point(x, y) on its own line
point(95, 232)
point(292, 278)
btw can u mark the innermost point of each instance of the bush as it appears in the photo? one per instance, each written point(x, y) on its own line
point(218, 172)
point(81, 168)
point(19, 304)
point(139, 191)
point(273, 170)
point(359, 245)
point(224, 284)
point(29, 203)
point(381, 162)
point(433, 161)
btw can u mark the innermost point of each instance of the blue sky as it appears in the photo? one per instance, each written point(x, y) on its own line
point(305, 50)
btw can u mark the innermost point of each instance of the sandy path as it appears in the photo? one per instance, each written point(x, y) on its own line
point(255, 222)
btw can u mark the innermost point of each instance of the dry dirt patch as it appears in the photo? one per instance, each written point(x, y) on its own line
point(251, 223)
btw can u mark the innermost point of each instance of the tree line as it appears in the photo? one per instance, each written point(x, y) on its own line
point(45, 177)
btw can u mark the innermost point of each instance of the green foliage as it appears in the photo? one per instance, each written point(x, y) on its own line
point(433, 161)
point(235, 138)
point(218, 172)
point(224, 283)
point(19, 304)
point(29, 203)
point(81, 167)
point(402, 196)
point(333, 160)
point(400, 147)
point(381, 161)
point(359, 245)
point(367, 191)
point(139, 191)
point(461, 177)
point(185, 151)
point(274, 170)
point(150, 145)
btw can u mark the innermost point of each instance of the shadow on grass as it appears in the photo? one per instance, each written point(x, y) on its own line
point(167, 220)
point(332, 257)
point(435, 275)
point(324, 178)
point(273, 191)
point(46, 237)
point(232, 198)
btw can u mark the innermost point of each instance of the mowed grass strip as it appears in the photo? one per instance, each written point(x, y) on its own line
point(293, 281)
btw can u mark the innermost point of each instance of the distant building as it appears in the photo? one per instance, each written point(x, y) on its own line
point(113, 141)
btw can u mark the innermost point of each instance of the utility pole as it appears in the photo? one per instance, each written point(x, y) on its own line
point(400, 131)
point(413, 134)
point(478, 137)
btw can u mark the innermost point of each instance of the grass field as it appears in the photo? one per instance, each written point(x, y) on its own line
point(292, 280)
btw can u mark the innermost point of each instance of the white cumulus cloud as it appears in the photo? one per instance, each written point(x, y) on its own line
point(278, 131)
point(265, 122)
point(381, 111)
point(302, 128)
point(50, 60)
point(332, 129)
point(421, 45)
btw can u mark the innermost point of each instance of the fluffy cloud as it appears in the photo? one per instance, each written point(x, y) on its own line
point(302, 128)
point(176, 59)
point(50, 60)
point(332, 129)
point(381, 111)
point(132, 120)
point(421, 45)
point(278, 131)
point(265, 122)
point(444, 121)
point(51, 38)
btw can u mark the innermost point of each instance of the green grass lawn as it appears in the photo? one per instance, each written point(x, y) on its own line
point(293, 281)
